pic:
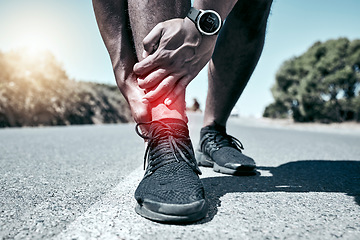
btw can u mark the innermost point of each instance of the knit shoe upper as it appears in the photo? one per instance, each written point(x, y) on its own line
point(223, 152)
point(171, 190)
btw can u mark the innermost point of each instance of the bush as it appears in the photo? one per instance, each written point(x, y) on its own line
point(35, 90)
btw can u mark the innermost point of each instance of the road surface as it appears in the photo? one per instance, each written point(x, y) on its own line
point(78, 183)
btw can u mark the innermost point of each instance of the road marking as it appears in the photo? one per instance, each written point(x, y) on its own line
point(113, 216)
point(234, 213)
point(99, 219)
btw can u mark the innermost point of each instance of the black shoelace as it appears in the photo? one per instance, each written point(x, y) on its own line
point(214, 140)
point(162, 136)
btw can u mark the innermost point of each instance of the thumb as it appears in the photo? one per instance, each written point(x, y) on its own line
point(151, 41)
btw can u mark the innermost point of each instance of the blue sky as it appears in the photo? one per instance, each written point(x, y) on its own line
point(69, 30)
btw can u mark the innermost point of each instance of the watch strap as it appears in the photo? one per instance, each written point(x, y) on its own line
point(193, 14)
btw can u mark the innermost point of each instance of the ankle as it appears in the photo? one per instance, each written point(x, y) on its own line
point(175, 110)
point(212, 122)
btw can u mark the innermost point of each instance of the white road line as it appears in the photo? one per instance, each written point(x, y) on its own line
point(238, 215)
point(113, 217)
point(99, 219)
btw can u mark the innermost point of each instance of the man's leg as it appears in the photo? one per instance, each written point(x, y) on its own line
point(123, 25)
point(113, 21)
point(171, 190)
point(144, 15)
point(236, 54)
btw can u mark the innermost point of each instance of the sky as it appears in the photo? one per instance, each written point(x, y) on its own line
point(68, 29)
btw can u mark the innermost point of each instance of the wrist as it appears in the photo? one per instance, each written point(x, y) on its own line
point(207, 22)
point(188, 24)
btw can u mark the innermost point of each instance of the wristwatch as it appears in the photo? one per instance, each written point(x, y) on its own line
point(208, 22)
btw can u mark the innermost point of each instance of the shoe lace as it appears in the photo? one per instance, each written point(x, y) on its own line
point(214, 140)
point(162, 136)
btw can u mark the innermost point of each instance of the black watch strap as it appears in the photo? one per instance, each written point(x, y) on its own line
point(193, 14)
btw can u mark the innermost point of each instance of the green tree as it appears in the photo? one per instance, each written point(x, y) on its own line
point(321, 85)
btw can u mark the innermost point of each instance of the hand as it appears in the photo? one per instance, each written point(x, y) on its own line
point(133, 94)
point(175, 52)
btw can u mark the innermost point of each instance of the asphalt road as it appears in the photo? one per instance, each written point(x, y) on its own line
point(78, 182)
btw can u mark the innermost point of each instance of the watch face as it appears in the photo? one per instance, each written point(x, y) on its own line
point(209, 22)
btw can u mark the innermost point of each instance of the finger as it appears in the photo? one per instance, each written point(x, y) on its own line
point(153, 79)
point(163, 89)
point(178, 91)
point(151, 41)
point(146, 66)
point(145, 54)
point(140, 111)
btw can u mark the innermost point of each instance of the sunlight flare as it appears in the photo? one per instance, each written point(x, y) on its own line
point(35, 43)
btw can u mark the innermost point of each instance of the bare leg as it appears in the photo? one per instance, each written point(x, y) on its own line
point(123, 25)
point(236, 54)
point(144, 15)
point(113, 23)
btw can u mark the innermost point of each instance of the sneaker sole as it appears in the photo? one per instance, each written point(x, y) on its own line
point(173, 213)
point(206, 161)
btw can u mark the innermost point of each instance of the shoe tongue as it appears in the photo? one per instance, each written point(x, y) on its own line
point(176, 124)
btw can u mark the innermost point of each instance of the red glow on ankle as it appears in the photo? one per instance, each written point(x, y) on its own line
point(175, 110)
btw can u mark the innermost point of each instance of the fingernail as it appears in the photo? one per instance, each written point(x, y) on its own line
point(145, 101)
point(167, 102)
point(144, 54)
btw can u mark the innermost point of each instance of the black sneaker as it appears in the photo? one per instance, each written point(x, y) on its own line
point(171, 190)
point(222, 152)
